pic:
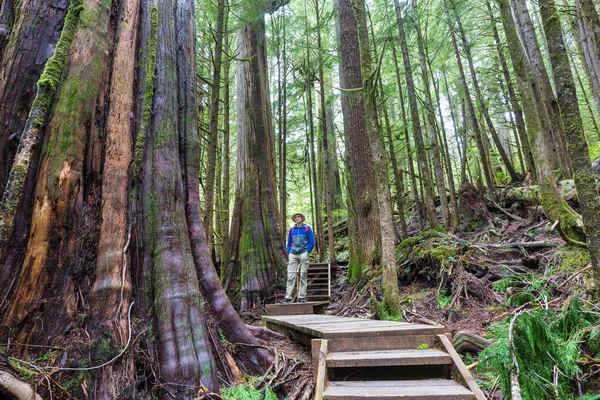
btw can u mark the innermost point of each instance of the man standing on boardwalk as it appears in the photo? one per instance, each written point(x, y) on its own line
point(301, 241)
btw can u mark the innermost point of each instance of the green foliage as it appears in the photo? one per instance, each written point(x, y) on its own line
point(247, 391)
point(444, 299)
point(385, 314)
point(423, 346)
point(546, 344)
point(24, 372)
point(527, 288)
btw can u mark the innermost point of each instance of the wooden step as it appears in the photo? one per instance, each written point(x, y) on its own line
point(429, 389)
point(387, 358)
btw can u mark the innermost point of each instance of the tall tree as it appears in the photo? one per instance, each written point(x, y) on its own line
point(585, 179)
point(431, 120)
point(481, 100)
point(554, 133)
point(257, 247)
point(589, 39)
point(209, 194)
point(479, 139)
point(364, 232)
point(422, 159)
point(78, 251)
point(370, 75)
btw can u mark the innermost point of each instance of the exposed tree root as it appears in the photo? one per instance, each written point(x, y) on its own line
point(15, 389)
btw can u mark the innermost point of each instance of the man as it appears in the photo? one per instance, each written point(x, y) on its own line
point(301, 241)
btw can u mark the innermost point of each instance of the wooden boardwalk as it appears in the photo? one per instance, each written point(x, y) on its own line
point(368, 359)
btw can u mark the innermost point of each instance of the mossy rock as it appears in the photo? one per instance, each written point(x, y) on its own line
point(426, 254)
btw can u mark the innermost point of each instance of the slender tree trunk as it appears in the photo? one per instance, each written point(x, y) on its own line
point(224, 214)
point(588, 104)
point(365, 235)
point(447, 160)
point(585, 179)
point(512, 97)
point(328, 141)
point(414, 111)
point(431, 121)
point(411, 167)
point(318, 209)
point(283, 152)
point(457, 136)
point(467, 48)
point(472, 115)
point(211, 156)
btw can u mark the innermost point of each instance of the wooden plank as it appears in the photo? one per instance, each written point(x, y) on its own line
point(387, 358)
point(460, 371)
point(321, 369)
point(430, 389)
point(392, 342)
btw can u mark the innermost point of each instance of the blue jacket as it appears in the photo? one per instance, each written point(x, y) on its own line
point(300, 239)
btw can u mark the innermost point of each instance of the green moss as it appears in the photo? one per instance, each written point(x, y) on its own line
point(572, 259)
point(55, 66)
point(423, 346)
point(138, 151)
point(24, 372)
point(104, 350)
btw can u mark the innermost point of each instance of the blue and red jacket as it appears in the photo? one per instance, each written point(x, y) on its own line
point(300, 239)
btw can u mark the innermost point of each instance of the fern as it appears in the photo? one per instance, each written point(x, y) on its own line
point(546, 343)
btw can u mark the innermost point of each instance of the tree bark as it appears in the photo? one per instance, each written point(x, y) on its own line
point(589, 34)
point(391, 291)
point(583, 175)
point(555, 129)
point(78, 250)
point(365, 231)
point(255, 240)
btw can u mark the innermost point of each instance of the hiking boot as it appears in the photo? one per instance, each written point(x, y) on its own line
point(285, 300)
point(302, 300)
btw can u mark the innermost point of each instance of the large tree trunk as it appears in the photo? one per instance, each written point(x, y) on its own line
point(380, 169)
point(554, 133)
point(362, 210)
point(255, 240)
point(583, 175)
point(422, 159)
point(78, 257)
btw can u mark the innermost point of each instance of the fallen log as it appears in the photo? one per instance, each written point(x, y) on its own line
point(528, 195)
point(469, 342)
point(15, 389)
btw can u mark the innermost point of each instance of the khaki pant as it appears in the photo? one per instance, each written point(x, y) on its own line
point(295, 260)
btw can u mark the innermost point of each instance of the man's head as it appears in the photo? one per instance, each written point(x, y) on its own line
point(298, 218)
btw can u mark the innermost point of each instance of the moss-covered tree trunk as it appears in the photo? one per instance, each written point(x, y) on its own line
point(113, 222)
point(583, 175)
point(380, 168)
point(257, 247)
point(554, 131)
point(422, 159)
point(364, 229)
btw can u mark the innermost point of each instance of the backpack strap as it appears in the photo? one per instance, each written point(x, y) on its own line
point(306, 229)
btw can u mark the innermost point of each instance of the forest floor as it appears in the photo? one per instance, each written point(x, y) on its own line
point(477, 281)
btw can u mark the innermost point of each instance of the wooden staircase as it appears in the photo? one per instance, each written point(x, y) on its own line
point(319, 282)
point(413, 367)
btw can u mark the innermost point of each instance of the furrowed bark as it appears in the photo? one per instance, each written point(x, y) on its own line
point(391, 292)
point(255, 237)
